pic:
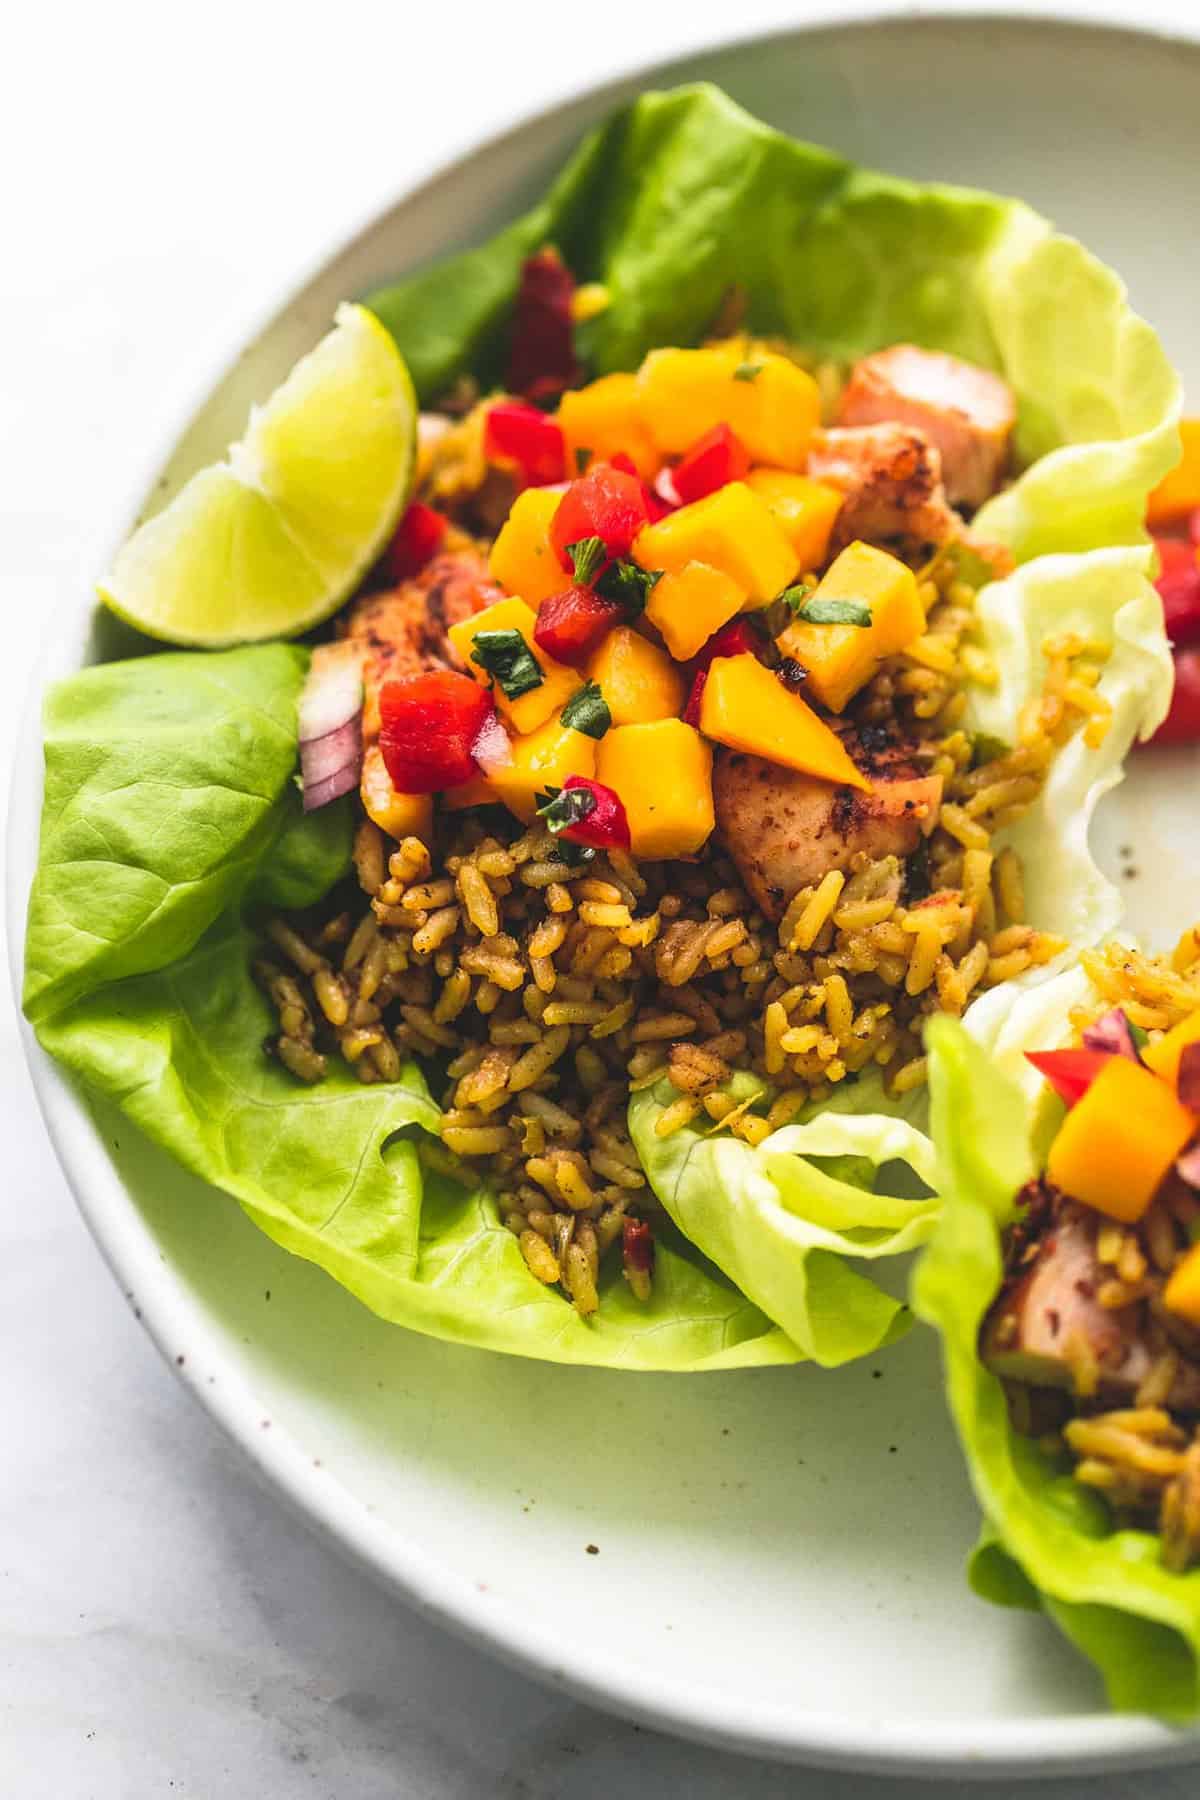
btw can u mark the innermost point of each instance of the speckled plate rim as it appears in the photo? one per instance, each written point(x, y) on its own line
point(170, 1313)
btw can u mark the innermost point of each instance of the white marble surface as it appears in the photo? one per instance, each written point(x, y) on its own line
point(165, 1627)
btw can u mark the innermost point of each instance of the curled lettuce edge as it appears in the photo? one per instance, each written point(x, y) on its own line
point(1046, 1541)
point(160, 839)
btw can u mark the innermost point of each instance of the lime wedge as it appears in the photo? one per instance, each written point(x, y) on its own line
point(271, 541)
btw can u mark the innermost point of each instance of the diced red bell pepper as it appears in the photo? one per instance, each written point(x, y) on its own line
point(572, 624)
point(734, 639)
point(530, 438)
point(1069, 1072)
point(1182, 723)
point(1179, 585)
point(637, 1244)
point(656, 509)
point(541, 358)
point(606, 826)
point(417, 537)
point(428, 724)
point(605, 503)
point(691, 712)
point(714, 459)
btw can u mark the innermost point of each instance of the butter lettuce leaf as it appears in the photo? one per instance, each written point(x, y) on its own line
point(787, 1220)
point(1046, 1541)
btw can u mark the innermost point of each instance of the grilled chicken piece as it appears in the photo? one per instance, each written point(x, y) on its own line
point(404, 629)
point(891, 476)
point(785, 830)
point(1048, 1312)
point(967, 413)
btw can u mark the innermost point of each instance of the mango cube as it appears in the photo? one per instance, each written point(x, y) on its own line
point(1178, 492)
point(400, 815)
point(806, 510)
point(662, 771)
point(1182, 1294)
point(531, 709)
point(747, 707)
point(1119, 1141)
point(543, 759)
point(773, 406)
point(1163, 1057)
point(603, 418)
point(522, 559)
point(842, 658)
point(638, 680)
point(731, 530)
point(689, 604)
point(475, 792)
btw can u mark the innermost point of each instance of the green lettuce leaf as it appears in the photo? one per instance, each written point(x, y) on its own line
point(682, 196)
point(785, 1220)
point(1046, 1541)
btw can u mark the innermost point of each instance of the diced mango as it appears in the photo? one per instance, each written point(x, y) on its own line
point(842, 658)
point(731, 530)
point(522, 558)
point(543, 759)
point(1178, 492)
point(747, 707)
point(400, 815)
point(531, 709)
point(475, 792)
point(773, 406)
point(602, 418)
point(689, 604)
point(806, 509)
point(1163, 1057)
point(1182, 1294)
point(1118, 1142)
point(638, 680)
point(662, 772)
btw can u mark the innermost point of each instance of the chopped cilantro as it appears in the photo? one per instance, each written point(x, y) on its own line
point(815, 611)
point(628, 585)
point(506, 656)
point(748, 371)
point(588, 711)
point(588, 555)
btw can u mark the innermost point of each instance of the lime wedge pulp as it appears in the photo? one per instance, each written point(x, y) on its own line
point(271, 541)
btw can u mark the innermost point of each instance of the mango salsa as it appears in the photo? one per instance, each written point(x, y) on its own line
point(731, 530)
point(840, 659)
point(663, 773)
point(603, 418)
point(400, 815)
point(747, 707)
point(522, 558)
point(1118, 1142)
point(543, 759)
point(531, 709)
point(475, 792)
point(1182, 1293)
point(1163, 1056)
point(1177, 493)
point(773, 406)
point(638, 680)
point(689, 604)
point(806, 509)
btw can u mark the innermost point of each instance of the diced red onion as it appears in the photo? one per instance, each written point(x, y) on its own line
point(492, 748)
point(330, 721)
point(1188, 1165)
point(1111, 1032)
point(1188, 1080)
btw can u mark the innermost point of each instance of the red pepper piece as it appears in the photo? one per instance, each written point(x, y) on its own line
point(1182, 723)
point(691, 712)
point(714, 459)
point(1069, 1072)
point(570, 625)
point(541, 357)
point(733, 639)
point(1179, 585)
point(637, 1244)
point(606, 826)
point(527, 437)
point(417, 537)
point(428, 724)
point(656, 509)
point(605, 503)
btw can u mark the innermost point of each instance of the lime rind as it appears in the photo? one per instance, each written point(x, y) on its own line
point(272, 541)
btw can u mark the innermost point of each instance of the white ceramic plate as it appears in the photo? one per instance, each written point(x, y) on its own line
point(779, 1552)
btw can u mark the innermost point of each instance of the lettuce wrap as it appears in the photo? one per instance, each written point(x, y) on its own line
point(1047, 1542)
point(171, 817)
